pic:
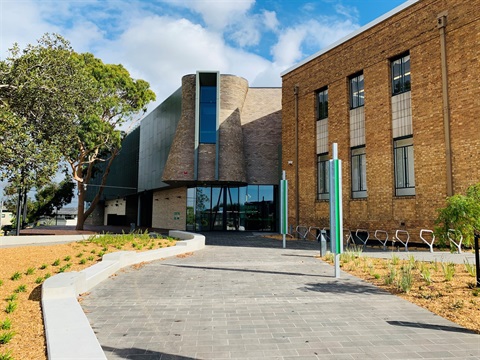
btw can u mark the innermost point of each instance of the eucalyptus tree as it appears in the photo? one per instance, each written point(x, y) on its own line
point(119, 98)
point(42, 90)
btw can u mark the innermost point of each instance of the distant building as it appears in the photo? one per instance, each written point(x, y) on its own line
point(207, 158)
point(6, 218)
point(400, 97)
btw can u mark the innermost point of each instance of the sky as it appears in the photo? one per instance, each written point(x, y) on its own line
point(162, 40)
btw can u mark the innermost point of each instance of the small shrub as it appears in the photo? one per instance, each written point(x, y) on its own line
point(38, 280)
point(43, 266)
point(21, 288)
point(448, 271)
point(406, 279)
point(457, 305)
point(435, 265)
point(104, 249)
point(90, 258)
point(67, 258)
point(476, 292)
point(12, 297)
point(329, 257)
point(93, 251)
point(426, 275)
point(470, 268)
point(30, 271)
point(79, 255)
point(5, 337)
point(16, 276)
point(1, 282)
point(391, 275)
point(11, 307)
point(83, 261)
point(6, 324)
point(56, 262)
point(376, 276)
point(47, 275)
point(395, 259)
point(100, 254)
point(6, 355)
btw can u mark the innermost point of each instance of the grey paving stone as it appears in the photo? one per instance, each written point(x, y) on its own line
point(244, 297)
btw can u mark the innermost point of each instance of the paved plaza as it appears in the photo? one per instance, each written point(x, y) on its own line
point(244, 297)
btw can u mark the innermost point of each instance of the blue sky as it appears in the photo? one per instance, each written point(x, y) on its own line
point(162, 40)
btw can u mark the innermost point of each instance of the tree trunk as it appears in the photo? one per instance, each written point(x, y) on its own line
point(81, 207)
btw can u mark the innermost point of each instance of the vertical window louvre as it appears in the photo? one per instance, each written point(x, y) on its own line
point(401, 75)
point(357, 93)
point(208, 114)
point(359, 173)
point(404, 167)
point(323, 186)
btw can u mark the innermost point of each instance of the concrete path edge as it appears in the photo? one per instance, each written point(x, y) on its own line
point(67, 330)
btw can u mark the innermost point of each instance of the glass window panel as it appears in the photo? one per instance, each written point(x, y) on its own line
point(265, 193)
point(357, 91)
point(410, 173)
point(208, 114)
point(322, 177)
point(252, 193)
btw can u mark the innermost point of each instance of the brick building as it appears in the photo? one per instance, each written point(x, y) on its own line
point(401, 98)
point(207, 158)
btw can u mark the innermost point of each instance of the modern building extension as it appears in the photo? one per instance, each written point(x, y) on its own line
point(400, 97)
point(207, 158)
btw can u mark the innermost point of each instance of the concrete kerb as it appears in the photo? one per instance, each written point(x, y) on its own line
point(41, 239)
point(67, 330)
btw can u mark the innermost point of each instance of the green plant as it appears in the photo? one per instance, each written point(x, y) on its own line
point(43, 266)
point(435, 265)
point(476, 292)
point(458, 304)
point(56, 262)
point(426, 275)
point(90, 258)
point(376, 276)
point(21, 288)
point(462, 213)
point(11, 306)
point(38, 280)
point(67, 258)
point(47, 275)
point(30, 271)
point(406, 279)
point(470, 268)
point(65, 267)
point(104, 249)
point(1, 282)
point(16, 276)
point(391, 275)
point(329, 257)
point(79, 255)
point(6, 355)
point(6, 336)
point(83, 261)
point(100, 254)
point(395, 259)
point(12, 297)
point(6, 324)
point(93, 251)
point(448, 271)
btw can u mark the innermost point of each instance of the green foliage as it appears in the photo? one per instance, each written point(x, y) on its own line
point(43, 266)
point(52, 197)
point(56, 262)
point(1, 282)
point(83, 261)
point(11, 307)
point(47, 275)
point(7, 355)
point(426, 275)
point(38, 280)
point(470, 268)
point(16, 276)
point(21, 288)
point(12, 297)
point(448, 270)
point(462, 214)
point(405, 282)
point(30, 271)
point(67, 258)
point(395, 259)
point(6, 324)
point(6, 336)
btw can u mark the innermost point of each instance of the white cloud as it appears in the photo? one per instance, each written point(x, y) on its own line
point(270, 20)
point(217, 14)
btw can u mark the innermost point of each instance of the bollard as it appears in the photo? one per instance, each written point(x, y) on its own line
point(323, 242)
point(477, 258)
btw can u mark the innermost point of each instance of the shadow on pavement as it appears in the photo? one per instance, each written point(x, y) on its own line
point(143, 354)
point(431, 326)
point(344, 287)
point(245, 270)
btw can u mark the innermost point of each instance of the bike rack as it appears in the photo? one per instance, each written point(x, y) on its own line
point(302, 231)
point(398, 233)
point(432, 236)
point(382, 241)
point(456, 234)
point(347, 234)
point(364, 242)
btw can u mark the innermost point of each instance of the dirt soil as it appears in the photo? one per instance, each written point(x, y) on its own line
point(33, 264)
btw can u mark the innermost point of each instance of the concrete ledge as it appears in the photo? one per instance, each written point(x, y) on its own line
point(41, 239)
point(67, 330)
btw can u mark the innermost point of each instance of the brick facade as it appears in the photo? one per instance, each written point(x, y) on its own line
point(414, 30)
point(168, 211)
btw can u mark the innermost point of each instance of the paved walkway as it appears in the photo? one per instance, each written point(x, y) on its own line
point(245, 297)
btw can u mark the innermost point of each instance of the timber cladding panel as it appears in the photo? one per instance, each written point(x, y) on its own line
point(414, 30)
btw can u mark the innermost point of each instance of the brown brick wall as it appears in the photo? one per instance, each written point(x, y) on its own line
point(415, 30)
point(167, 204)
